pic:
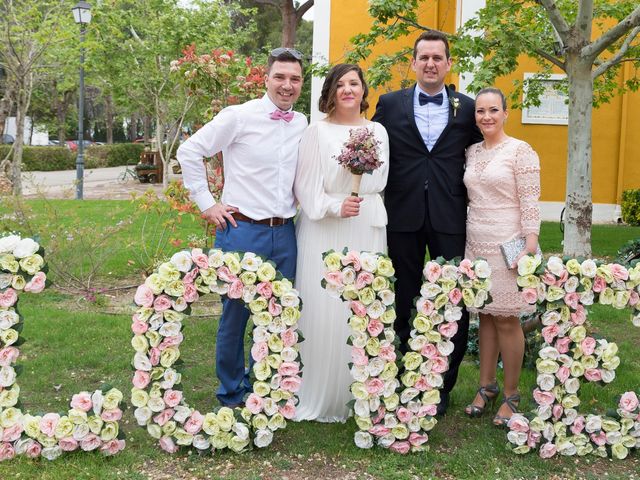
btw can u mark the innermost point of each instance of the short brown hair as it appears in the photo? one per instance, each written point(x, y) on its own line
point(495, 91)
point(327, 104)
point(283, 54)
point(431, 35)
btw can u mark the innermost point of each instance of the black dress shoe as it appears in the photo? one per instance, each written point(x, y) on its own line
point(441, 409)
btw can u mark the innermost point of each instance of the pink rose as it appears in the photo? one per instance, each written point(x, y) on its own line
point(422, 384)
point(599, 439)
point(259, 351)
point(572, 300)
point(7, 452)
point(455, 295)
point(416, 439)
point(8, 355)
point(33, 450)
point(90, 442)
point(254, 403)
point(154, 356)
point(162, 303)
point(164, 416)
point(288, 410)
point(379, 430)
point(200, 259)
point(588, 345)
point(404, 415)
point(579, 316)
point(629, 401)
point(190, 293)
point(634, 298)
point(599, 284)
point(375, 327)
point(550, 332)
point(562, 344)
point(225, 274)
point(424, 306)
point(113, 446)
point(334, 278)
point(194, 423)
point(112, 415)
point(543, 398)
point(563, 374)
point(358, 308)
point(12, 433)
point(448, 329)
point(466, 267)
point(429, 350)
point(548, 450)
point(141, 379)
point(171, 341)
point(8, 298)
point(236, 289)
point(518, 423)
point(37, 283)
point(619, 272)
point(166, 444)
point(363, 279)
point(288, 368)
point(172, 397)
point(352, 258)
point(359, 357)
point(530, 295)
point(264, 290)
point(289, 337)
point(593, 374)
point(557, 411)
point(388, 353)
point(578, 425)
point(400, 447)
point(374, 386)
point(427, 410)
point(439, 364)
point(548, 278)
point(562, 278)
point(533, 438)
point(48, 423)
point(82, 401)
point(68, 444)
point(432, 271)
point(190, 276)
point(144, 296)
point(291, 384)
point(275, 308)
point(139, 327)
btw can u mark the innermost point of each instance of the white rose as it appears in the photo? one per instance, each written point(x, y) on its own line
point(550, 317)
point(361, 408)
point(97, 400)
point(517, 438)
point(608, 375)
point(290, 298)
point(386, 440)
point(241, 430)
point(546, 381)
point(548, 353)
point(348, 276)
point(430, 290)
point(141, 362)
point(25, 248)
point(250, 262)
point(8, 318)
point(588, 268)
point(363, 440)
point(452, 314)
point(556, 266)
point(51, 453)
point(570, 415)
point(142, 415)
point(375, 367)
point(201, 442)
point(8, 243)
point(263, 438)
point(182, 261)
point(572, 385)
point(182, 413)
point(7, 376)
point(445, 347)
point(571, 284)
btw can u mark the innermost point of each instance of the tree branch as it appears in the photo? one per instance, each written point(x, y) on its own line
point(304, 8)
point(550, 58)
point(618, 57)
point(596, 47)
point(274, 3)
point(584, 17)
point(556, 18)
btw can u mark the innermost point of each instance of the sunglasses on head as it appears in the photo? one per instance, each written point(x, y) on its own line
point(276, 52)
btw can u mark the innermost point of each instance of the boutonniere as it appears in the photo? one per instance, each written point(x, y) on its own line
point(455, 103)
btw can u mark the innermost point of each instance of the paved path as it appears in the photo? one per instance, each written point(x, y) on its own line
point(99, 183)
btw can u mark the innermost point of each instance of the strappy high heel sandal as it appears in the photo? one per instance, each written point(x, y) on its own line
point(512, 401)
point(488, 393)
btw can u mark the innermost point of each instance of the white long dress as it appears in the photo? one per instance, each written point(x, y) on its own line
point(321, 185)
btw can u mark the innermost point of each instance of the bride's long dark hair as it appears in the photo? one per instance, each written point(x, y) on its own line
point(327, 104)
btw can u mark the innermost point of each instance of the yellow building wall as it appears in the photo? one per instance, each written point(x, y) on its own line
point(616, 165)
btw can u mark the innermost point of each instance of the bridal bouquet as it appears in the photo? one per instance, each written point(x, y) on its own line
point(360, 154)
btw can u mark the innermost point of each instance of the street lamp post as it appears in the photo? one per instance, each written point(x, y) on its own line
point(82, 16)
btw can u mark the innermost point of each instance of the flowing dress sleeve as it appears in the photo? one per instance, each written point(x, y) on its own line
point(309, 182)
point(527, 175)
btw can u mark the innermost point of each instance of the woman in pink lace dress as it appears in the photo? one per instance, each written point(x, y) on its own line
point(502, 177)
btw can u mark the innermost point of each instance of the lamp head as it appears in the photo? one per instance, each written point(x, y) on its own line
point(82, 13)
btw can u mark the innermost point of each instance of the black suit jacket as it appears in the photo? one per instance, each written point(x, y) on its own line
point(411, 164)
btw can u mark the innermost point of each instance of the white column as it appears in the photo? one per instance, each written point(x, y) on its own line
point(465, 10)
point(321, 37)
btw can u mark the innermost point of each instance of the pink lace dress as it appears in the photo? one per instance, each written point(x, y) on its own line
point(503, 185)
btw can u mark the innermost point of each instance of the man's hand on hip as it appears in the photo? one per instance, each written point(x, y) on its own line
point(219, 214)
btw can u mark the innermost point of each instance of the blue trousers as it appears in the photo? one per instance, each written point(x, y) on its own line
point(278, 244)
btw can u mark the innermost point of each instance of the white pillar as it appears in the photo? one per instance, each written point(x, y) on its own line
point(465, 10)
point(321, 38)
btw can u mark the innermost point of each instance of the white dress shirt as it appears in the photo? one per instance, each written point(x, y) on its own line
point(259, 157)
point(430, 117)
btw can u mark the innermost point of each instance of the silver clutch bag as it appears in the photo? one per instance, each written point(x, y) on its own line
point(512, 248)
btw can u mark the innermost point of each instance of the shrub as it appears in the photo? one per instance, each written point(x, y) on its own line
point(629, 252)
point(631, 207)
point(99, 156)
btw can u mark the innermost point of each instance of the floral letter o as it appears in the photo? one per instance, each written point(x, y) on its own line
point(92, 421)
point(163, 304)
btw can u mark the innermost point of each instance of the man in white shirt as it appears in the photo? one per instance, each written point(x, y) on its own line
point(259, 143)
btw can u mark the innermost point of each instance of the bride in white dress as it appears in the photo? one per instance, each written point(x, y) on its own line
point(331, 219)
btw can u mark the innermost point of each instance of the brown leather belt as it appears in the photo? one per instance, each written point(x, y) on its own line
point(272, 222)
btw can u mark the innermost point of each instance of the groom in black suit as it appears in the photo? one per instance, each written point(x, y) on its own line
point(429, 126)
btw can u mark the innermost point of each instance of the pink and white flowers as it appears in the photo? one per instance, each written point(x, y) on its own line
point(563, 291)
point(162, 302)
point(93, 418)
point(396, 412)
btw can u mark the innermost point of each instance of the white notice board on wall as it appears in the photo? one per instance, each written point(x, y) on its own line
point(553, 108)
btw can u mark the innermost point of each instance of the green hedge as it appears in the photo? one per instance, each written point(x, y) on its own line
point(631, 207)
point(47, 159)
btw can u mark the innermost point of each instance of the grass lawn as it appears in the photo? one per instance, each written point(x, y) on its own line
point(75, 345)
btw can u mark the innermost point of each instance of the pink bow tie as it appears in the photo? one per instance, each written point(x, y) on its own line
point(279, 114)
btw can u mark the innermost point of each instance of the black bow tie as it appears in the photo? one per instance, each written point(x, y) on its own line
point(424, 99)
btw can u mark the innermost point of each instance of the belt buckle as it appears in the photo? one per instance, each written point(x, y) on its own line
point(271, 222)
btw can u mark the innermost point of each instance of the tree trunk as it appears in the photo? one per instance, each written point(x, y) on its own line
point(578, 206)
point(108, 113)
point(147, 128)
point(62, 108)
point(23, 98)
point(133, 127)
point(289, 23)
point(6, 103)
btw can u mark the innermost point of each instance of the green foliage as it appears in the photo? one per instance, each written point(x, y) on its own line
point(98, 156)
point(629, 252)
point(631, 207)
